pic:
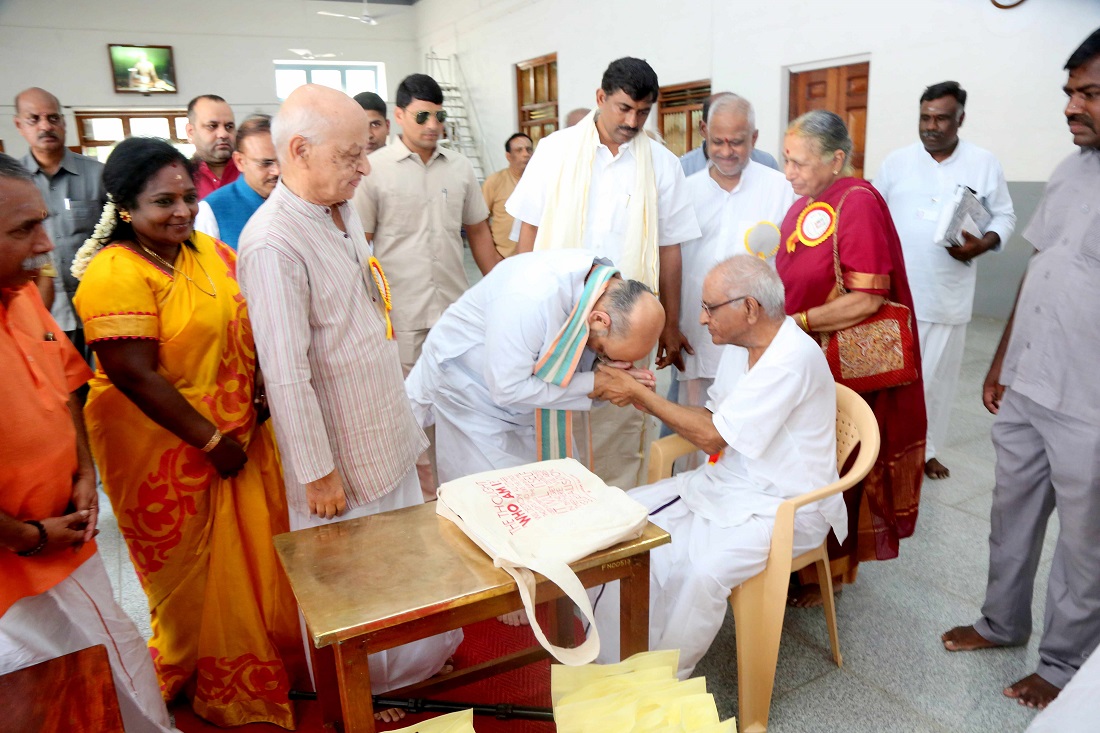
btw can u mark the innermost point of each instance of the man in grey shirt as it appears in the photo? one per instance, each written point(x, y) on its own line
point(72, 186)
point(1042, 386)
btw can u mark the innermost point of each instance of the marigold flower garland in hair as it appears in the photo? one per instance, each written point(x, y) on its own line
point(100, 236)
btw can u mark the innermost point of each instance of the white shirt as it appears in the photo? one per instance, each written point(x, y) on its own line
point(206, 222)
point(916, 188)
point(481, 354)
point(762, 194)
point(609, 192)
point(779, 423)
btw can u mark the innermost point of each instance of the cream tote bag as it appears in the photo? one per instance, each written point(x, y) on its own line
point(539, 518)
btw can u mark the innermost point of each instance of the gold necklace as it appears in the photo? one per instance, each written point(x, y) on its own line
point(169, 265)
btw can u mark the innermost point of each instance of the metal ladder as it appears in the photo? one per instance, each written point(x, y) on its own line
point(462, 127)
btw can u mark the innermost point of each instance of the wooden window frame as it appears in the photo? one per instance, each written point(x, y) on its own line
point(84, 130)
point(524, 112)
point(687, 98)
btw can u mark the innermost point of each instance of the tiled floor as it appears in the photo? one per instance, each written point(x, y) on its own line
point(896, 675)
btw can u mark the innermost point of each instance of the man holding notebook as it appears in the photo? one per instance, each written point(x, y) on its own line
point(918, 182)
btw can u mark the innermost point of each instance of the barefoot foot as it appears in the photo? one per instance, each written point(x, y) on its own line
point(390, 715)
point(515, 618)
point(935, 470)
point(965, 639)
point(1033, 691)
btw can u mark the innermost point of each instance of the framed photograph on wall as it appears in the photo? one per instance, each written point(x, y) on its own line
point(142, 69)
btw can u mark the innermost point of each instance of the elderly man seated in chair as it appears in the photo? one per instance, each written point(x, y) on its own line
point(771, 419)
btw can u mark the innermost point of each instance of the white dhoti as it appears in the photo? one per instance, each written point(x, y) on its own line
point(78, 613)
point(412, 662)
point(691, 578)
point(941, 348)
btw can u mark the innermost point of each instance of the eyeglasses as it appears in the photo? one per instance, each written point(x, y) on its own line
point(263, 162)
point(423, 115)
point(709, 309)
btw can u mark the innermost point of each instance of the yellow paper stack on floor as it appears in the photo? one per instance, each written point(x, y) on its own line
point(638, 695)
point(460, 722)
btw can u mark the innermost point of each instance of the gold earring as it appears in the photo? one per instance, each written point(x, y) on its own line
point(125, 216)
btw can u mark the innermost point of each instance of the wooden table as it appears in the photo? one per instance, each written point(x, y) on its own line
point(374, 583)
point(73, 693)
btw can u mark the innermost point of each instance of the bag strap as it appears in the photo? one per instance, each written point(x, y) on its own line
point(836, 239)
point(558, 573)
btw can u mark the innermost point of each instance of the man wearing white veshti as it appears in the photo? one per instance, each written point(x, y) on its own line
point(731, 195)
point(602, 186)
point(477, 377)
point(347, 438)
point(917, 181)
point(772, 415)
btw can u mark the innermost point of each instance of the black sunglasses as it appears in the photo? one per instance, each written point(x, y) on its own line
point(422, 116)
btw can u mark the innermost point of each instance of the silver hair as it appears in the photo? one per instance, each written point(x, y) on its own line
point(752, 276)
point(305, 120)
point(828, 133)
point(732, 103)
point(622, 296)
point(12, 168)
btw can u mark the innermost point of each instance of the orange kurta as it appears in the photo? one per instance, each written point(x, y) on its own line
point(37, 436)
point(225, 625)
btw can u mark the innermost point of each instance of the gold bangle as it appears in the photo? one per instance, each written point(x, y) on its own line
point(805, 321)
point(213, 442)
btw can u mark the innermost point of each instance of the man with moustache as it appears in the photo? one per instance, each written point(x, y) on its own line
point(917, 181)
point(695, 160)
point(379, 131)
point(224, 212)
point(1043, 389)
point(55, 597)
point(210, 128)
point(347, 435)
point(602, 186)
point(731, 196)
point(518, 149)
point(72, 186)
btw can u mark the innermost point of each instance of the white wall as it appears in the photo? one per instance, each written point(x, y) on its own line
point(491, 36)
point(1010, 61)
point(224, 48)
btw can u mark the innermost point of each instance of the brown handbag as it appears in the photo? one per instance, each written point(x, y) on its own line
point(876, 353)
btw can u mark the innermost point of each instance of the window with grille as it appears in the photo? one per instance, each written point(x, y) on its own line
point(349, 77)
point(537, 96)
point(101, 130)
point(679, 112)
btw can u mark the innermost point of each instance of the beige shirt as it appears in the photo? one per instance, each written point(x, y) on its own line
point(496, 190)
point(416, 213)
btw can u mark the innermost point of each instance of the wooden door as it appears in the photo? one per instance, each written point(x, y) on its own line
point(839, 89)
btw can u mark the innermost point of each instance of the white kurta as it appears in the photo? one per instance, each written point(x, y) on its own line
point(77, 613)
point(724, 218)
point(916, 187)
point(475, 378)
point(609, 193)
point(779, 423)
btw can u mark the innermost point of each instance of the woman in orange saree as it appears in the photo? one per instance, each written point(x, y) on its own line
point(173, 421)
